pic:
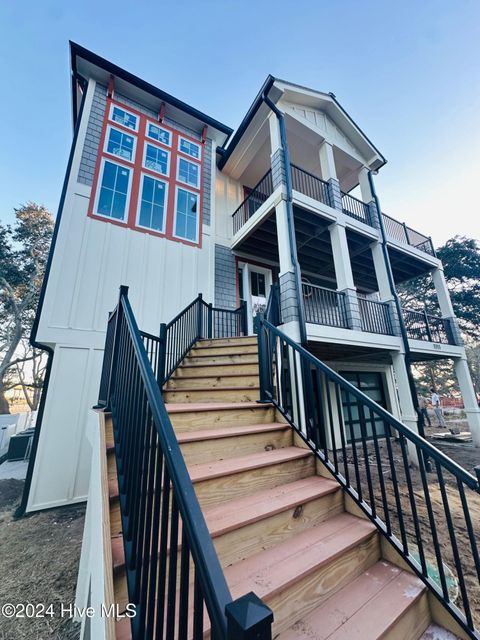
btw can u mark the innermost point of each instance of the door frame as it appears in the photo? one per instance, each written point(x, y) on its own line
point(247, 268)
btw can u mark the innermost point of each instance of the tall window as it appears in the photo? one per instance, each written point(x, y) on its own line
point(148, 176)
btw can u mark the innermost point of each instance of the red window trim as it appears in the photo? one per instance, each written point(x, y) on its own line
point(138, 169)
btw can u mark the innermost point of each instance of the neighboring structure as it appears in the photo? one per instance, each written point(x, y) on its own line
point(155, 197)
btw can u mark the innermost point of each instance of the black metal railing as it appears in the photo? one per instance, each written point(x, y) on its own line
point(406, 235)
point(356, 208)
point(422, 326)
point(324, 306)
point(310, 185)
point(257, 196)
point(426, 518)
point(174, 577)
point(375, 316)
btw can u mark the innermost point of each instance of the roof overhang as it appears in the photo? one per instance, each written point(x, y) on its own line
point(280, 90)
point(87, 65)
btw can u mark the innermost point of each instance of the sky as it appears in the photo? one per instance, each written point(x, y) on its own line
point(408, 72)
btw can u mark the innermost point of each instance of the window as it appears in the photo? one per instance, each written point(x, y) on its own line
point(152, 204)
point(257, 283)
point(158, 133)
point(189, 148)
point(186, 215)
point(188, 172)
point(124, 118)
point(371, 383)
point(156, 159)
point(120, 144)
point(112, 199)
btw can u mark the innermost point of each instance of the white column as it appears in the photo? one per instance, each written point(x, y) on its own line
point(275, 138)
point(365, 189)
point(443, 294)
point(327, 161)
point(469, 399)
point(341, 256)
point(408, 414)
point(381, 272)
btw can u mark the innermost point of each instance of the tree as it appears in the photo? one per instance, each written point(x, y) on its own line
point(23, 256)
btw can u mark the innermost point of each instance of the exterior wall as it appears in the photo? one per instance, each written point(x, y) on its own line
point(225, 278)
point(163, 277)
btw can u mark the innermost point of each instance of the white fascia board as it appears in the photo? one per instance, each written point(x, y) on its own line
point(336, 335)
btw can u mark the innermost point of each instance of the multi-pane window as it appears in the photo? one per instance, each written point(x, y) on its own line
point(188, 172)
point(257, 283)
point(158, 133)
point(186, 215)
point(156, 159)
point(112, 199)
point(124, 118)
point(152, 204)
point(189, 148)
point(120, 144)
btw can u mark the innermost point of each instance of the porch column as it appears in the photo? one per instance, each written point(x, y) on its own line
point(287, 279)
point(329, 174)
point(472, 409)
point(384, 284)
point(343, 273)
point(408, 414)
point(445, 303)
point(367, 196)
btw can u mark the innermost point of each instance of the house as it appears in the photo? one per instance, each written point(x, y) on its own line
point(170, 202)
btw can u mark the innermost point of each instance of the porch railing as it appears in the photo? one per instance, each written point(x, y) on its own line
point(356, 208)
point(324, 306)
point(400, 232)
point(426, 518)
point(375, 316)
point(174, 577)
point(422, 326)
point(257, 196)
point(310, 185)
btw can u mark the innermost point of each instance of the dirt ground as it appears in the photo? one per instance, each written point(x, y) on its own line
point(466, 456)
point(39, 557)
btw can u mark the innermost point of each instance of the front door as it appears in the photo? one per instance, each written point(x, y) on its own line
point(371, 383)
point(254, 287)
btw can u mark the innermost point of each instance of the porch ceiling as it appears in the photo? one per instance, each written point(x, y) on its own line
point(348, 353)
point(406, 267)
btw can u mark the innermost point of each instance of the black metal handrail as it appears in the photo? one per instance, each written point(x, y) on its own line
point(375, 316)
point(257, 196)
point(356, 208)
point(351, 436)
point(324, 306)
point(406, 235)
point(423, 326)
point(310, 185)
point(174, 576)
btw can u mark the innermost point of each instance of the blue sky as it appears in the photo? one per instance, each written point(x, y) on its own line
point(407, 72)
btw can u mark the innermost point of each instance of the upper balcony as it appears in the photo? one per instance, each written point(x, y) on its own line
point(319, 190)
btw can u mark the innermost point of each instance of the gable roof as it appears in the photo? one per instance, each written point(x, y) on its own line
point(275, 89)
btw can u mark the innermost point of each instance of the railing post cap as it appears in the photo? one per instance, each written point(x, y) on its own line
point(248, 617)
point(123, 290)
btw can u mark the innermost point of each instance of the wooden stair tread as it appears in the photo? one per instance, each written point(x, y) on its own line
point(185, 364)
point(219, 375)
point(208, 389)
point(366, 608)
point(232, 466)
point(220, 345)
point(240, 512)
point(218, 355)
point(189, 407)
point(230, 432)
point(118, 553)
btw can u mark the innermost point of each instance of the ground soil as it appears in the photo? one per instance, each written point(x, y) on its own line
point(467, 456)
point(39, 557)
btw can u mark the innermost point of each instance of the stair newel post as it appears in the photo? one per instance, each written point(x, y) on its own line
point(162, 354)
point(263, 364)
point(199, 316)
point(210, 321)
point(249, 618)
point(115, 346)
point(244, 321)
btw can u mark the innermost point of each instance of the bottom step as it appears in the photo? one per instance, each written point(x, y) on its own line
point(383, 602)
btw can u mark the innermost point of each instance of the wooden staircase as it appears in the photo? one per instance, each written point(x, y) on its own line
point(281, 526)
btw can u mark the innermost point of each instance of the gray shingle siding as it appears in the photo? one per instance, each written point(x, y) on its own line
point(225, 278)
point(94, 131)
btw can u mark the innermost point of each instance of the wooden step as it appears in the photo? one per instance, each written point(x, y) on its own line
point(297, 575)
point(213, 382)
point(247, 525)
point(223, 350)
point(201, 369)
point(206, 358)
point(383, 602)
point(216, 444)
point(220, 342)
point(200, 416)
point(222, 480)
point(212, 394)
